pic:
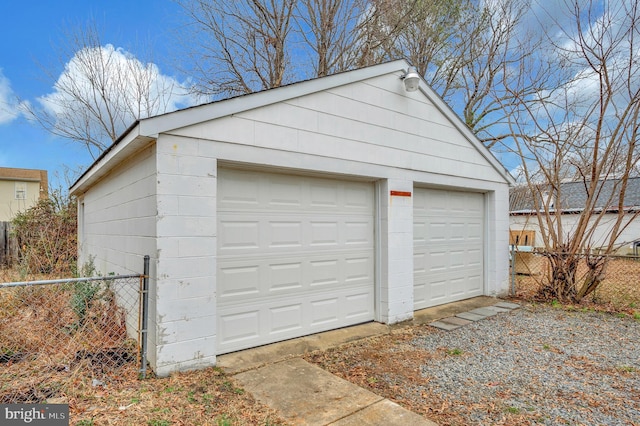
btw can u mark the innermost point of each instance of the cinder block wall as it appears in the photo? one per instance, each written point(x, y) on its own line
point(185, 284)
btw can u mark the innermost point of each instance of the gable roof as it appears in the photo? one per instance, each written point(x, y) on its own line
point(143, 131)
point(574, 197)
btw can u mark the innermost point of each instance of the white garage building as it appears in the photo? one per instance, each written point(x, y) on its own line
point(314, 206)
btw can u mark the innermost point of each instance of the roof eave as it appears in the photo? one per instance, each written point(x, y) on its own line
point(128, 143)
point(445, 109)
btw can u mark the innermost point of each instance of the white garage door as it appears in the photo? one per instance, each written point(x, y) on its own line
point(295, 256)
point(448, 246)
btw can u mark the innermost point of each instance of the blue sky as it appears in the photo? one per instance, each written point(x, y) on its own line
point(29, 32)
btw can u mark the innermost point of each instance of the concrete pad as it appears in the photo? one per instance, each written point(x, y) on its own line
point(456, 321)
point(470, 316)
point(256, 357)
point(486, 312)
point(444, 325)
point(305, 394)
point(384, 412)
point(507, 305)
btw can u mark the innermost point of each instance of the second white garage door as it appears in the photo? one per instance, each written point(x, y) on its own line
point(295, 256)
point(448, 246)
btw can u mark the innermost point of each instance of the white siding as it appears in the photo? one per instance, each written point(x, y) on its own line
point(601, 234)
point(365, 123)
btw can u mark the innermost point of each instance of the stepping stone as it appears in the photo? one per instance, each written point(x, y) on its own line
point(485, 312)
point(498, 309)
point(470, 316)
point(444, 325)
point(507, 305)
point(456, 321)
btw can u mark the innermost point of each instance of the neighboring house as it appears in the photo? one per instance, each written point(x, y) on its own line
point(20, 189)
point(524, 229)
point(309, 207)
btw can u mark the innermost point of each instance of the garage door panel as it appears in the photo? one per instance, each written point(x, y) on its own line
point(286, 318)
point(284, 234)
point(285, 276)
point(238, 281)
point(448, 241)
point(300, 257)
point(274, 319)
point(358, 269)
point(323, 233)
point(240, 233)
point(240, 326)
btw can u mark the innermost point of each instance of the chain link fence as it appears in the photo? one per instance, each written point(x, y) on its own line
point(60, 336)
point(620, 288)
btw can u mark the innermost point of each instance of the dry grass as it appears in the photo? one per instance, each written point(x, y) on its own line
point(48, 355)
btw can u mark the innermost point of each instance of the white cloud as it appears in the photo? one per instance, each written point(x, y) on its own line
point(9, 105)
point(111, 84)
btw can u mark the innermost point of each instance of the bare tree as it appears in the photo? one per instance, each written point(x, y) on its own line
point(583, 125)
point(238, 46)
point(101, 91)
point(329, 30)
point(465, 49)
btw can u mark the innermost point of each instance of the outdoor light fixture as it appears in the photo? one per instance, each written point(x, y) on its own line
point(411, 79)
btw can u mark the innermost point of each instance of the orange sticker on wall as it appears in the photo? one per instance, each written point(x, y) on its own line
point(400, 193)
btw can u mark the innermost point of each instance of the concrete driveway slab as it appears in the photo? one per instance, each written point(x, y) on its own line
point(384, 412)
point(304, 393)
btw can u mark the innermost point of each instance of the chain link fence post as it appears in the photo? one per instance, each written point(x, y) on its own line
point(144, 294)
point(513, 269)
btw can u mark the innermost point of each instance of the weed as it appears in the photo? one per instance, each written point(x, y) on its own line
point(85, 423)
point(622, 315)
point(191, 397)
point(223, 420)
point(546, 347)
point(228, 386)
point(636, 316)
point(627, 369)
point(84, 292)
point(158, 423)
point(455, 351)
point(555, 303)
point(513, 410)
point(171, 389)
point(372, 380)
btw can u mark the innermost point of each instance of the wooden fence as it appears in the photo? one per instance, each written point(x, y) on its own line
point(8, 245)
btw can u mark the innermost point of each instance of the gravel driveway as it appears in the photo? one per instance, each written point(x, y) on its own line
point(535, 365)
